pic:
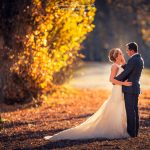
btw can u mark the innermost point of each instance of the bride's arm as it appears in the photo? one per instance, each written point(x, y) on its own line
point(114, 71)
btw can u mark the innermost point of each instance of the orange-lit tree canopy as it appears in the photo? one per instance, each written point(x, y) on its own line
point(53, 42)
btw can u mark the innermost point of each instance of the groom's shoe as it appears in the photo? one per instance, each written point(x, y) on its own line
point(132, 135)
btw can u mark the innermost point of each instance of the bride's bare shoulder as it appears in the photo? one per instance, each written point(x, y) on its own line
point(114, 66)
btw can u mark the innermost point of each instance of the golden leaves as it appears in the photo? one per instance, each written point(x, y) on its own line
point(54, 43)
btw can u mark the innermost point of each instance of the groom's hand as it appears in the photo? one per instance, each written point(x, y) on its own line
point(127, 83)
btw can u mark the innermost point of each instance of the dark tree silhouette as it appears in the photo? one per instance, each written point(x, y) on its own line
point(117, 23)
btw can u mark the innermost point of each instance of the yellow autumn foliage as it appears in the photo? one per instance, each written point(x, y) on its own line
point(59, 27)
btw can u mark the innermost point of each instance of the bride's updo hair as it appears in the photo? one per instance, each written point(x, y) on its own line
point(113, 54)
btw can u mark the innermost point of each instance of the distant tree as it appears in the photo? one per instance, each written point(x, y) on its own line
point(117, 23)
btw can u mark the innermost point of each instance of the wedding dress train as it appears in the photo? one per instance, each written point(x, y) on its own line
point(108, 122)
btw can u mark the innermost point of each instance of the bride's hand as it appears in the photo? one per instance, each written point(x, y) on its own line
point(126, 83)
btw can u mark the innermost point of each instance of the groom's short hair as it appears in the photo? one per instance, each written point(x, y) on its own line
point(132, 46)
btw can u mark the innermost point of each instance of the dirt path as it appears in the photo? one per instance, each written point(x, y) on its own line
point(96, 75)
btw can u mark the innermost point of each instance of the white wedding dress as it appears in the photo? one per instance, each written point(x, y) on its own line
point(108, 122)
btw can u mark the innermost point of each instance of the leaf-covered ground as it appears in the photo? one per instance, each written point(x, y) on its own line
point(25, 126)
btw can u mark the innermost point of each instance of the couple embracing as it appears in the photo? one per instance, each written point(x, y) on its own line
point(118, 117)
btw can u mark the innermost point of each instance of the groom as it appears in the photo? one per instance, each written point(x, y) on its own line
point(132, 72)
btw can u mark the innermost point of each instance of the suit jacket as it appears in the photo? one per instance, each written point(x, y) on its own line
point(132, 72)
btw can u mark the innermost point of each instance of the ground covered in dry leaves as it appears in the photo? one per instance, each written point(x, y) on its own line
point(26, 125)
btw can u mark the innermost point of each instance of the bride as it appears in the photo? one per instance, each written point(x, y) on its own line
point(109, 121)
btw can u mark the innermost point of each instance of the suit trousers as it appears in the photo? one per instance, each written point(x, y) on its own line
point(131, 105)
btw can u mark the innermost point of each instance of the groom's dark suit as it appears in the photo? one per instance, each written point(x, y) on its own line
point(132, 72)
